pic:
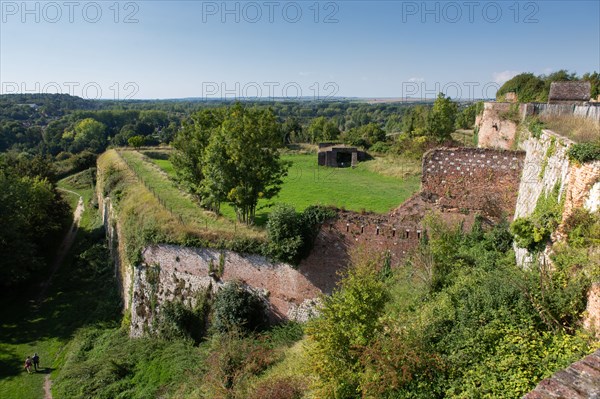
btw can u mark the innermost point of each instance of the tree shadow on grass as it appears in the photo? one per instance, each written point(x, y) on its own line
point(83, 292)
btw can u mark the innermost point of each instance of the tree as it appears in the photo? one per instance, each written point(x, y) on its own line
point(321, 129)
point(347, 326)
point(88, 134)
point(441, 119)
point(136, 141)
point(231, 154)
point(191, 142)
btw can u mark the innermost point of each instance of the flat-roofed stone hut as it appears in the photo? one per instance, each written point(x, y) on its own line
point(339, 155)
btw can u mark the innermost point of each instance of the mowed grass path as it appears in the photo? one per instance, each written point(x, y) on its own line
point(179, 203)
point(308, 184)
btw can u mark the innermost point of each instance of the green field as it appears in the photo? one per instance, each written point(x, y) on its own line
point(308, 184)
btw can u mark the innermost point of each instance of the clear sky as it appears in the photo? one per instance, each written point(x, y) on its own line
point(217, 49)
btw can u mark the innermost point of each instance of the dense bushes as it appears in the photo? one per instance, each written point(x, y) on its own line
point(459, 320)
point(291, 235)
point(584, 152)
point(237, 307)
point(32, 215)
point(533, 232)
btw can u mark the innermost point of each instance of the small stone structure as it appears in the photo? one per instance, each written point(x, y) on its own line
point(339, 155)
point(581, 380)
point(569, 92)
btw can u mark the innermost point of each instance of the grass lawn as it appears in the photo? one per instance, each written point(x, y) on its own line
point(355, 189)
point(45, 327)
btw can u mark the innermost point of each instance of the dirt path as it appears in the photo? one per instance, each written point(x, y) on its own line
point(47, 387)
point(64, 248)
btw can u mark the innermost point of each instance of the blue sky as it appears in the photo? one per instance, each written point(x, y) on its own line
point(216, 49)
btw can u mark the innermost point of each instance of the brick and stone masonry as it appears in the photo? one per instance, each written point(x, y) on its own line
point(482, 180)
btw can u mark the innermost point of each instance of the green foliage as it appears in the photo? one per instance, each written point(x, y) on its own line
point(465, 119)
point(461, 320)
point(291, 235)
point(549, 153)
point(364, 136)
point(442, 118)
point(136, 141)
point(231, 155)
point(348, 324)
point(533, 232)
point(87, 134)
point(177, 320)
point(531, 88)
point(584, 152)
point(233, 361)
point(235, 307)
point(33, 215)
point(322, 129)
point(284, 231)
point(535, 126)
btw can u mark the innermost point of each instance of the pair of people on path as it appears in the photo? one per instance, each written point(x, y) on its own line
point(33, 360)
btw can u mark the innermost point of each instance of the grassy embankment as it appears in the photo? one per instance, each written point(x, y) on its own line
point(376, 186)
point(152, 210)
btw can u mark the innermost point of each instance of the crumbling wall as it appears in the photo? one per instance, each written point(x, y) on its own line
point(591, 321)
point(473, 179)
point(581, 380)
point(175, 273)
point(495, 130)
point(116, 247)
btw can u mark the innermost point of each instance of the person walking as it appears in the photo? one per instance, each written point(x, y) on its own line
point(36, 361)
point(28, 364)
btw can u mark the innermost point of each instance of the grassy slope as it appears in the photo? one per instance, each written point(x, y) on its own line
point(178, 203)
point(362, 188)
point(71, 303)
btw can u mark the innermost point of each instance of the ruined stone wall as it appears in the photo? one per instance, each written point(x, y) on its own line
point(547, 165)
point(591, 321)
point(170, 273)
point(473, 179)
point(116, 247)
point(495, 131)
point(583, 188)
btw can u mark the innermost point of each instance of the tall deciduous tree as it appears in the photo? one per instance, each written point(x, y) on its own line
point(231, 155)
point(441, 119)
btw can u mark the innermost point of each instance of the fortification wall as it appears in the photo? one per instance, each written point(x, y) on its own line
point(170, 273)
point(495, 130)
point(547, 165)
point(473, 179)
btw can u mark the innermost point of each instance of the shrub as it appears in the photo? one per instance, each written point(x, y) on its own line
point(291, 236)
point(236, 307)
point(281, 388)
point(533, 232)
point(284, 231)
point(381, 147)
point(179, 321)
point(584, 152)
